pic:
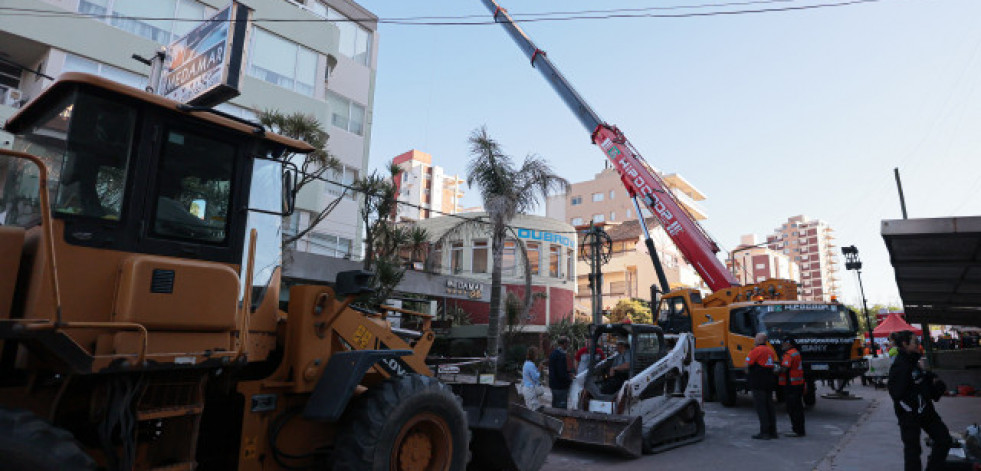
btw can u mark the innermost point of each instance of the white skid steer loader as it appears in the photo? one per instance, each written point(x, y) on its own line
point(651, 405)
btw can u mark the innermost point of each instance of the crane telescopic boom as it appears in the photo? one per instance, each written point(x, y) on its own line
point(637, 176)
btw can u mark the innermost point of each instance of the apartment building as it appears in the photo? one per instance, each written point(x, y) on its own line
point(322, 64)
point(751, 262)
point(630, 272)
point(426, 188)
point(809, 243)
point(604, 199)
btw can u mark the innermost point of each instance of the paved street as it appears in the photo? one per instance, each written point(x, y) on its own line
point(728, 445)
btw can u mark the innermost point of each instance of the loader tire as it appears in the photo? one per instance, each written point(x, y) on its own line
point(407, 423)
point(725, 389)
point(28, 443)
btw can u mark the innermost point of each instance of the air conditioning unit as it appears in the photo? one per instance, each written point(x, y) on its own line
point(13, 97)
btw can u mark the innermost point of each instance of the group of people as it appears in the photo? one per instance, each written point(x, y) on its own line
point(912, 389)
point(765, 373)
point(560, 375)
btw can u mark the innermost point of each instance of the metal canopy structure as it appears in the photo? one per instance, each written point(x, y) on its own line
point(938, 268)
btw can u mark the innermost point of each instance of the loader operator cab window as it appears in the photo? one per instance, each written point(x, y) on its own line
point(674, 315)
point(194, 187)
point(86, 142)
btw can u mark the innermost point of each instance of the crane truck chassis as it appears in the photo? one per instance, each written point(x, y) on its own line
point(139, 311)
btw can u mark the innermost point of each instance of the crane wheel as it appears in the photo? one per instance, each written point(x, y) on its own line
point(810, 395)
point(407, 423)
point(725, 389)
point(28, 443)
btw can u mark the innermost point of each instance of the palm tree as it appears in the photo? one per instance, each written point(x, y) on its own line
point(506, 191)
point(313, 166)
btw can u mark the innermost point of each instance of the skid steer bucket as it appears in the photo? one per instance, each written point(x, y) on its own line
point(620, 433)
point(506, 436)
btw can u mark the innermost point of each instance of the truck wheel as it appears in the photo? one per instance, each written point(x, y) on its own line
point(407, 423)
point(708, 391)
point(725, 389)
point(810, 396)
point(28, 443)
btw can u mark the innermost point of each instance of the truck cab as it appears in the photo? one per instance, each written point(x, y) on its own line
point(725, 329)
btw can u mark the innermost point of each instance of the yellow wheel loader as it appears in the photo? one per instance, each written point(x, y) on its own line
point(139, 311)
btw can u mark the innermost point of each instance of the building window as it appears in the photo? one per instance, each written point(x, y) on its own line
point(613, 215)
point(480, 256)
point(534, 250)
point(760, 266)
point(629, 213)
point(456, 257)
point(152, 20)
point(597, 197)
point(553, 260)
point(613, 194)
point(576, 221)
point(282, 62)
point(346, 114)
point(646, 213)
point(75, 63)
point(570, 261)
point(508, 258)
point(340, 179)
point(598, 218)
point(354, 41)
point(330, 245)
point(576, 200)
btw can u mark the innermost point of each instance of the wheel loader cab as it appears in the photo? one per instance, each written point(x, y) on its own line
point(152, 205)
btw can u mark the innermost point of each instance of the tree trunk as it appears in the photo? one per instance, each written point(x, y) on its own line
point(496, 315)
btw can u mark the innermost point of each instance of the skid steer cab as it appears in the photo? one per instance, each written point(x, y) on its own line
point(644, 397)
point(140, 326)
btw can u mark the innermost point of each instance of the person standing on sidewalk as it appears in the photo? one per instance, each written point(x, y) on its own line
point(761, 363)
point(792, 382)
point(913, 392)
point(559, 376)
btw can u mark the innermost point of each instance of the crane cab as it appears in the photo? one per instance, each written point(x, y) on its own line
point(150, 207)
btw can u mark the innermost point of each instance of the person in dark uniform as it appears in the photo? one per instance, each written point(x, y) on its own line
point(761, 362)
point(913, 392)
point(559, 376)
point(792, 382)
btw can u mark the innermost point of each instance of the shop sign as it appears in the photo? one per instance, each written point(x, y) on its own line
point(204, 67)
point(470, 289)
point(545, 236)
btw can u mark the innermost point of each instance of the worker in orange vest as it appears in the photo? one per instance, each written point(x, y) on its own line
point(791, 375)
point(760, 365)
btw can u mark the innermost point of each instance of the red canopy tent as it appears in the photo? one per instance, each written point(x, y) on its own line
point(894, 323)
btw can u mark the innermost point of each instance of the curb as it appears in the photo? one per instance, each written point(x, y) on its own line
point(828, 463)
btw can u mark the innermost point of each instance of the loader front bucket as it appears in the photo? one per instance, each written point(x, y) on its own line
point(620, 433)
point(505, 436)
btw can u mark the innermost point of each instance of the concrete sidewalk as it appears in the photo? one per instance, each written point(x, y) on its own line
point(873, 441)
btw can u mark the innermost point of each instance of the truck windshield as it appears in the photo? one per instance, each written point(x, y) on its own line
point(802, 318)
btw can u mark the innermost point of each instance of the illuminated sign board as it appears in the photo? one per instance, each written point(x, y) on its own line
point(204, 67)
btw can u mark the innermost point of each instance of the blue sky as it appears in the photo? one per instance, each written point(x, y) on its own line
point(770, 115)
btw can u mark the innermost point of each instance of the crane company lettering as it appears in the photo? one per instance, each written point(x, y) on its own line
point(632, 175)
point(471, 289)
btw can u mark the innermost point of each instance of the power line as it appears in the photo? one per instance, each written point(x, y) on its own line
point(461, 20)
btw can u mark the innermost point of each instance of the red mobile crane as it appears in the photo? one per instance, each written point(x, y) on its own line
point(637, 176)
point(725, 322)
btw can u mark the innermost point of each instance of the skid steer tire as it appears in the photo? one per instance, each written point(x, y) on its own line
point(410, 422)
point(28, 443)
point(725, 389)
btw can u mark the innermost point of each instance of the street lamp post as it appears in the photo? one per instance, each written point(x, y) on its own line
point(852, 262)
point(732, 259)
